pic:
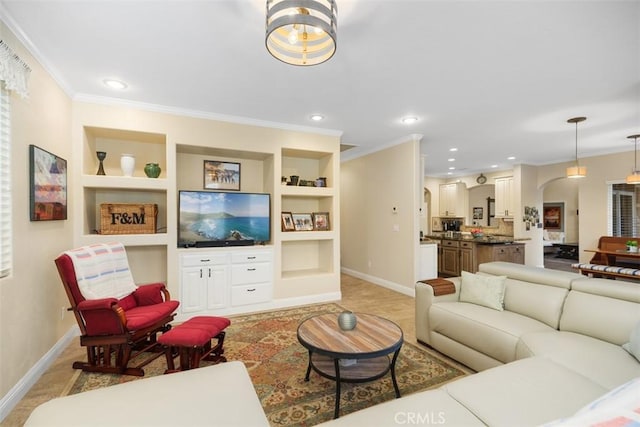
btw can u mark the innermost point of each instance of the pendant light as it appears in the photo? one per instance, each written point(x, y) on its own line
point(576, 171)
point(301, 32)
point(634, 178)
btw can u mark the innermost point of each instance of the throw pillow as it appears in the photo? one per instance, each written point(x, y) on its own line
point(487, 291)
point(633, 346)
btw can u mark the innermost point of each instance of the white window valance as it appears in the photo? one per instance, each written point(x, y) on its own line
point(13, 71)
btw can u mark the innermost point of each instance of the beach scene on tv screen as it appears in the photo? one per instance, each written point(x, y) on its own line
point(213, 216)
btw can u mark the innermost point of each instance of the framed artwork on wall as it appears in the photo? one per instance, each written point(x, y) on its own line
point(553, 216)
point(47, 185)
point(219, 175)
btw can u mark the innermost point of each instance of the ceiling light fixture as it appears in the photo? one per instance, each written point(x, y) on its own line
point(453, 149)
point(301, 32)
point(409, 120)
point(115, 84)
point(317, 117)
point(634, 178)
point(576, 171)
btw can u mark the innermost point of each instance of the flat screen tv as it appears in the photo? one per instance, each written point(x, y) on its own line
point(216, 218)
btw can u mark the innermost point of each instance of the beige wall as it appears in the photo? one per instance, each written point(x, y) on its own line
point(371, 187)
point(32, 296)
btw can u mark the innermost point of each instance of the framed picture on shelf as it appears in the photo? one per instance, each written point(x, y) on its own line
point(47, 185)
point(321, 221)
point(287, 222)
point(302, 221)
point(220, 175)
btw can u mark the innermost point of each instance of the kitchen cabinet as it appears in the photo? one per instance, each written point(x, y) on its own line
point(467, 257)
point(453, 200)
point(513, 252)
point(450, 258)
point(455, 256)
point(504, 190)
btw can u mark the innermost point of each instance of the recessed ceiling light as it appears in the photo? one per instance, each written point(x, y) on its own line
point(451, 160)
point(409, 120)
point(453, 149)
point(452, 168)
point(449, 173)
point(115, 84)
point(511, 158)
point(317, 117)
point(494, 166)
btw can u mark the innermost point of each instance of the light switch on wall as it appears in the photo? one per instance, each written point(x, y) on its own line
point(396, 227)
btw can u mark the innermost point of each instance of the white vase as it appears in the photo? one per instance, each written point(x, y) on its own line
point(127, 164)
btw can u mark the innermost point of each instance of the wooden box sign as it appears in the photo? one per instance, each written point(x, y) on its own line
point(128, 218)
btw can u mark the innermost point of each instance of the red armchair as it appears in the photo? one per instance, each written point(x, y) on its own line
point(116, 331)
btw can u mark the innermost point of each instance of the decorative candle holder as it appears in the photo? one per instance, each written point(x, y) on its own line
point(101, 156)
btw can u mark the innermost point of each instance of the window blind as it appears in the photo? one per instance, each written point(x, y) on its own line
point(5, 183)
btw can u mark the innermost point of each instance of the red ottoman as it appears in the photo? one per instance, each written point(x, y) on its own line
point(192, 341)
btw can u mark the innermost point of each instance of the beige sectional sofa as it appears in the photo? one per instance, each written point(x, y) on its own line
point(549, 352)
point(554, 347)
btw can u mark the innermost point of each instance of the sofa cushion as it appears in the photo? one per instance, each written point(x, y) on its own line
point(603, 309)
point(526, 273)
point(527, 392)
point(604, 363)
point(431, 407)
point(540, 302)
point(633, 346)
point(494, 333)
point(487, 291)
point(198, 397)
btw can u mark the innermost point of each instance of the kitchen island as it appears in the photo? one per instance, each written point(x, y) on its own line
point(463, 252)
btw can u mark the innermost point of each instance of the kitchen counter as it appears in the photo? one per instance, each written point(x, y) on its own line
point(488, 239)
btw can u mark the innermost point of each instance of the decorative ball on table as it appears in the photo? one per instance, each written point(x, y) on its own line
point(347, 320)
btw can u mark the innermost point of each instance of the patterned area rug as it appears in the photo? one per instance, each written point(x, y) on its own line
point(268, 346)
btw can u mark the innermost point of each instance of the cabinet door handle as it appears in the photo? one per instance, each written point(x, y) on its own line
point(251, 269)
point(209, 272)
point(251, 290)
point(205, 260)
point(201, 273)
point(251, 257)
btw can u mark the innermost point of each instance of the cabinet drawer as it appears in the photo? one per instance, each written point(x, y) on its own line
point(244, 257)
point(197, 260)
point(450, 243)
point(466, 245)
point(250, 273)
point(250, 294)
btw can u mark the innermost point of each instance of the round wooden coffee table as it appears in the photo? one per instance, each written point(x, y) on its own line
point(359, 355)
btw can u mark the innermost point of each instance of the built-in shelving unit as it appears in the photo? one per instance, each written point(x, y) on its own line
point(304, 266)
point(309, 257)
point(115, 188)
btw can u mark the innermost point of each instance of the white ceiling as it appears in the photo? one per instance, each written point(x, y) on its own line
point(492, 78)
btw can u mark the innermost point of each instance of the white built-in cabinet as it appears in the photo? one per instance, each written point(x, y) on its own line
point(298, 266)
point(504, 197)
point(453, 198)
point(214, 280)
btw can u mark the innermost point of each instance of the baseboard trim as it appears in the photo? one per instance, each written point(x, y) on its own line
point(18, 391)
point(381, 282)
